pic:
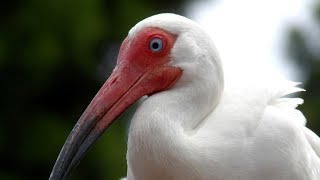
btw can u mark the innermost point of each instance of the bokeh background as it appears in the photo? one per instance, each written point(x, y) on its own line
point(55, 55)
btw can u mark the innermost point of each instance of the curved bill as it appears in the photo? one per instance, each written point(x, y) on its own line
point(123, 88)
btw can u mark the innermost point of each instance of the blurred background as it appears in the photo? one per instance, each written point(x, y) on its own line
point(55, 55)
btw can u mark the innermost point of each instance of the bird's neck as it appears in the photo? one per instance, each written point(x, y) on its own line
point(163, 121)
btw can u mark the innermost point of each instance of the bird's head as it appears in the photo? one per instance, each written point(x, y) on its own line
point(155, 55)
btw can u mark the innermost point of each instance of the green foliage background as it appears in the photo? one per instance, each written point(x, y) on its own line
point(307, 57)
point(55, 55)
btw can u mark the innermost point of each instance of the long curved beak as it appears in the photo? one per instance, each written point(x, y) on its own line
point(126, 84)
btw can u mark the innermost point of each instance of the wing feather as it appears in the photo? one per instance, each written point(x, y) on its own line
point(313, 140)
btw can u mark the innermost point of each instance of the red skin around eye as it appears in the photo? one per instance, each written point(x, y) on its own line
point(139, 71)
point(137, 49)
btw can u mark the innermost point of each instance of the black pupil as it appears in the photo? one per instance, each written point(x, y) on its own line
point(155, 45)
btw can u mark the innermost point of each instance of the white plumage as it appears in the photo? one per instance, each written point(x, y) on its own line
point(215, 124)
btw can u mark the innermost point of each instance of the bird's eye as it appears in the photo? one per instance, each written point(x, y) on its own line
point(155, 45)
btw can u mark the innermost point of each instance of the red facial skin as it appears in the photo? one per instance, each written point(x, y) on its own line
point(139, 71)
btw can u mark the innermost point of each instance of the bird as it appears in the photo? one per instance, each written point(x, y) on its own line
point(196, 120)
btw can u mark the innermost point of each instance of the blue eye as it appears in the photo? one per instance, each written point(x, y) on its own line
point(155, 45)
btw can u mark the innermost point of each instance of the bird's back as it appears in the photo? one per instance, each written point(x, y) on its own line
point(256, 132)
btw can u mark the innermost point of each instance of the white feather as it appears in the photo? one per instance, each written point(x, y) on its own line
point(215, 124)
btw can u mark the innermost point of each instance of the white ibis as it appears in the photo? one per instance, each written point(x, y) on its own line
point(196, 122)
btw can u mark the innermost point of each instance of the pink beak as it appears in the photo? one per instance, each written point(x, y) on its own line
point(130, 80)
